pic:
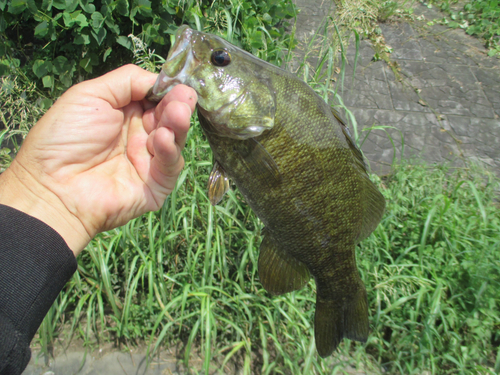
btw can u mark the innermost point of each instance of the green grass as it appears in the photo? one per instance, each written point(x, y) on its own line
point(434, 269)
point(187, 276)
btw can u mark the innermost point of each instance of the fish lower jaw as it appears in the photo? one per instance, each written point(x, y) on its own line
point(238, 134)
point(250, 132)
point(164, 84)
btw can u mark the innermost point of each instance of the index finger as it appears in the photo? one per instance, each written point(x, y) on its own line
point(180, 93)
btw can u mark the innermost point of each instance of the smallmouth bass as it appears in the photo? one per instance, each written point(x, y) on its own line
point(298, 168)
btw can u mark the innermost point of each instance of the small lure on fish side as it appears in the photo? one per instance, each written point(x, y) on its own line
point(297, 166)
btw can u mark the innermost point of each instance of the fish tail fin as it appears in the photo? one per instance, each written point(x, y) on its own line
point(346, 316)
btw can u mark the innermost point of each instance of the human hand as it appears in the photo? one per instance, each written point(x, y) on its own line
point(100, 156)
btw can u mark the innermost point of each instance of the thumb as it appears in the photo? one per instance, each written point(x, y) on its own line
point(121, 86)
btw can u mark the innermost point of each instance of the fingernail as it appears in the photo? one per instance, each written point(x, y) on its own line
point(187, 105)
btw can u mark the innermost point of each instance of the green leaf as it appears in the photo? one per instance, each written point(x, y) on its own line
point(122, 7)
point(70, 19)
point(41, 29)
point(492, 52)
point(82, 39)
point(59, 4)
point(45, 103)
point(66, 79)
point(48, 82)
point(17, 6)
point(3, 24)
point(97, 21)
point(144, 7)
point(71, 5)
point(32, 6)
point(41, 68)
point(46, 5)
point(453, 25)
point(99, 36)
point(112, 26)
point(256, 39)
point(86, 64)
point(4, 68)
point(267, 18)
point(16, 63)
point(124, 41)
point(106, 11)
point(87, 6)
point(3, 3)
point(89, 61)
point(106, 54)
point(81, 20)
point(170, 10)
point(60, 65)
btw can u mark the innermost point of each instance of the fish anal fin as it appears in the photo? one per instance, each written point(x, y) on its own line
point(218, 184)
point(279, 272)
point(340, 318)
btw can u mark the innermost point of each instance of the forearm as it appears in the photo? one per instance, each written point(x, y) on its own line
point(35, 264)
point(23, 191)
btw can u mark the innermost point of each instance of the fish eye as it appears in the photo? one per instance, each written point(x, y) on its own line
point(220, 57)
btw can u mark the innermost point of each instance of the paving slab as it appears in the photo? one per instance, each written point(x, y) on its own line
point(447, 88)
point(403, 40)
point(444, 99)
point(73, 362)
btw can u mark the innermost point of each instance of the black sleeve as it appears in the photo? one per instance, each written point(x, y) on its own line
point(35, 264)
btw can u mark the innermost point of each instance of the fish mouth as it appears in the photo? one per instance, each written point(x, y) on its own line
point(178, 66)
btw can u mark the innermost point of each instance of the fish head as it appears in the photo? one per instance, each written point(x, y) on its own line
point(234, 92)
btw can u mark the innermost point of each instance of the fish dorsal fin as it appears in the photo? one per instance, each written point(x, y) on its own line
point(374, 202)
point(259, 162)
point(358, 155)
point(279, 272)
point(218, 184)
point(373, 206)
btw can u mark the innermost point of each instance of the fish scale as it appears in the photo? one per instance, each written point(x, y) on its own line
point(295, 163)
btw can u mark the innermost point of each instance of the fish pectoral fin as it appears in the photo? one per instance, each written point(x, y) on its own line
point(339, 317)
point(259, 162)
point(218, 184)
point(279, 272)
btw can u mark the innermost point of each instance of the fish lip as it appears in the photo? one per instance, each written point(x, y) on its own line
point(179, 65)
point(162, 86)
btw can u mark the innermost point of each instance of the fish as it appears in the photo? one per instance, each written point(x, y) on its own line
point(296, 164)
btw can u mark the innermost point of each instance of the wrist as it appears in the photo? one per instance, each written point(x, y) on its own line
point(20, 190)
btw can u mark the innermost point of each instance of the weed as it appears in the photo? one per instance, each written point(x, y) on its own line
point(480, 18)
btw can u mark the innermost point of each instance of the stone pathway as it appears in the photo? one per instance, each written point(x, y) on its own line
point(109, 364)
point(109, 361)
point(446, 108)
